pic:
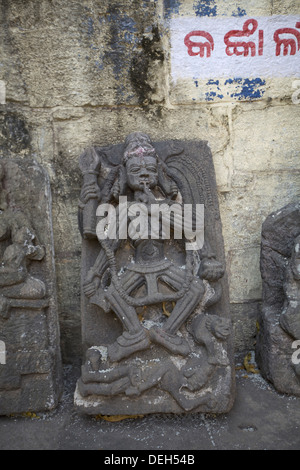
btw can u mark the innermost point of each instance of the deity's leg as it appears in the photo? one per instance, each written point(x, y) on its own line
point(166, 336)
point(31, 288)
point(134, 337)
point(184, 307)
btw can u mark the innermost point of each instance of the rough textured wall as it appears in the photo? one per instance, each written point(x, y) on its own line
point(90, 72)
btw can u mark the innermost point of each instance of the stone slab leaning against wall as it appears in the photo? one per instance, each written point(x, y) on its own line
point(30, 366)
point(279, 322)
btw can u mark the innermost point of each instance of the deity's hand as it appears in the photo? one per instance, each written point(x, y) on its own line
point(211, 269)
point(90, 191)
point(90, 287)
point(36, 252)
point(150, 194)
point(145, 195)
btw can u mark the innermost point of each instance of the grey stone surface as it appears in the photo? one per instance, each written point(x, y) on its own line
point(279, 322)
point(30, 374)
point(155, 315)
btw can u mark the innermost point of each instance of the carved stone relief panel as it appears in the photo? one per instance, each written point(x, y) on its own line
point(30, 370)
point(279, 322)
point(155, 312)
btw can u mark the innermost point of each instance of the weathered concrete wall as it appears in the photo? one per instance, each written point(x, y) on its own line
point(90, 72)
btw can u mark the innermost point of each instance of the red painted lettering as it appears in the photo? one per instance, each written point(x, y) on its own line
point(207, 46)
point(291, 45)
point(242, 47)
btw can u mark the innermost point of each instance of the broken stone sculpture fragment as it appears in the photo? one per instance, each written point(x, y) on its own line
point(30, 370)
point(279, 322)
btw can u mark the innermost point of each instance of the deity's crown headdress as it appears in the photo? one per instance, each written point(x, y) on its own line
point(138, 144)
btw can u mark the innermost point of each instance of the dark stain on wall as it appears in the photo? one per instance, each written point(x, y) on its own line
point(14, 134)
point(151, 51)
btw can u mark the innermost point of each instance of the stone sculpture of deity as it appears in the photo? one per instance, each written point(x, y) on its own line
point(152, 260)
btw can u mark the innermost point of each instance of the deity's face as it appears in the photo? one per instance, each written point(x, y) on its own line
point(141, 172)
point(221, 328)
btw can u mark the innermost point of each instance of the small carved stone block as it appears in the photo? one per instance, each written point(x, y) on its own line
point(155, 312)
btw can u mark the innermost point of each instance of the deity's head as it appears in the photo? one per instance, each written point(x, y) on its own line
point(140, 161)
point(196, 372)
point(218, 326)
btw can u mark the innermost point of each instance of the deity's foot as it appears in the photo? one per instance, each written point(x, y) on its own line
point(30, 289)
point(174, 343)
point(128, 344)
